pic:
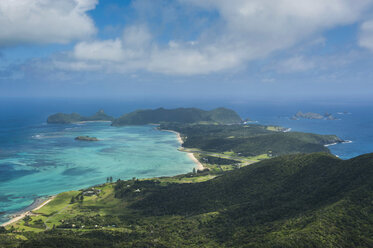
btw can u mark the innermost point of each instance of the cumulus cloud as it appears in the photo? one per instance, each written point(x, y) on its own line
point(45, 21)
point(366, 35)
point(246, 30)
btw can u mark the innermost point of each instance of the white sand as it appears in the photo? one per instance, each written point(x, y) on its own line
point(199, 166)
point(23, 215)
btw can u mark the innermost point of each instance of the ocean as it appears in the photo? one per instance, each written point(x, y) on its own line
point(39, 159)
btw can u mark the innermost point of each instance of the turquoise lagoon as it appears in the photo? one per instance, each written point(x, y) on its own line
point(45, 159)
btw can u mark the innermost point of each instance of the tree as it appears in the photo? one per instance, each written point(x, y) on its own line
point(81, 197)
point(72, 200)
point(111, 179)
point(194, 170)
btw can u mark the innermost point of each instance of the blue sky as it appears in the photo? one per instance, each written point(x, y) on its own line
point(189, 49)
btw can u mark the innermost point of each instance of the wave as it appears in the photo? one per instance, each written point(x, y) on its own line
point(70, 128)
point(331, 144)
point(335, 143)
point(347, 141)
point(38, 136)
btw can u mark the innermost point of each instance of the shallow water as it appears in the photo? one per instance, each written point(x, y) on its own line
point(45, 159)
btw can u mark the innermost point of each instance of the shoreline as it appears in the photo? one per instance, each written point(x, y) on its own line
point(42, 201)
point(199, 165)
point(36, 205)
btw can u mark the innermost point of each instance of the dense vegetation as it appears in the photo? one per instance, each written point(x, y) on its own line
point(61, 118)
point(218, 161)
point(179, 115)
point(314, 200)
point(249, 140)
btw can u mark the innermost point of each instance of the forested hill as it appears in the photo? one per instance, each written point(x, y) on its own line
point(61, 118)
point(179, 115)
point(250, 140)
point(313, 200)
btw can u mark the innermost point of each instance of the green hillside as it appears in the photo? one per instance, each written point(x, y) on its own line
point(179, 115)
point(61, 118)
point(250, 140)
point(314, 200)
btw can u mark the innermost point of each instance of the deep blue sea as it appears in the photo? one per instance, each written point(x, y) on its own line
point(37, 159)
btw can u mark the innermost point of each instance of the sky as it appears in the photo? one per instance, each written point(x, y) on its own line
point(192, 49)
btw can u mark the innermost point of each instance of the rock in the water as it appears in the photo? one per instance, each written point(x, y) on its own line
point(86, 138)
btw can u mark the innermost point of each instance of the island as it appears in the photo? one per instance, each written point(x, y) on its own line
point(62, 118)
point(312, 116)
point(86, 138)
point(179, 115)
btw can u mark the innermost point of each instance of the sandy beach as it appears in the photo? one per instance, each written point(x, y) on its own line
point(33, 207)
point(199, 166)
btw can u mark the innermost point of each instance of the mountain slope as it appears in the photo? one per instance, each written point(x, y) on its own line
point(313, 200)
point(180, 115)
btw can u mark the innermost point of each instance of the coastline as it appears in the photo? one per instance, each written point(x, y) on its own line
point(36, 205)
point(199, 165)
point(42, 201)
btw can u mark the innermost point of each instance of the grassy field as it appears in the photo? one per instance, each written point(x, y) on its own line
point(103, 204)
point(61, 208)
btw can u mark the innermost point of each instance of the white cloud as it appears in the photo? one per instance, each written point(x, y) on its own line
point(295, 64)
point(366, 35)
point(108, 50)
point(136, 37)
point(45, 21)
point(247, 30)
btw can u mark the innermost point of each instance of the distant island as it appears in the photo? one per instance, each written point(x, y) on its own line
point(154, 116)
point(86, 138)
point(220, 130)
point(312, 116)
point(61, 118)
point(179, 115)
